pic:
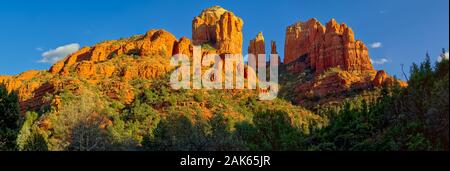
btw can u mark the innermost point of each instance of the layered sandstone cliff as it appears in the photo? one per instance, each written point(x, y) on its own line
point(322, 47)
point(153, 43)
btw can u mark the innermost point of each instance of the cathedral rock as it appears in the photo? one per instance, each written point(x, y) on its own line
point(339, 63)
point(321, 47)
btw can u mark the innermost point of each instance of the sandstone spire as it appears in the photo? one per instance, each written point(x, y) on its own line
point(273, 47)
point(257, 45)
point(273, 50)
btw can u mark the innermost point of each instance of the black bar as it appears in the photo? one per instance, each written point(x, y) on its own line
point(169, 160)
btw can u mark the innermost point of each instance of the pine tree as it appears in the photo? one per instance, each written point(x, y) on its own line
point(9, 118)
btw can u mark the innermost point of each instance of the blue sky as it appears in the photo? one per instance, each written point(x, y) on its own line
point(406, 29)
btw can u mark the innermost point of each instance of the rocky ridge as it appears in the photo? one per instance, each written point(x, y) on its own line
point(113, 66)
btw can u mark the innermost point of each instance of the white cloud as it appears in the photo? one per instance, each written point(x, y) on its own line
point(376, 45)
point(54, 55)
point(40, 49)
point(379, 61)
point(445, 57)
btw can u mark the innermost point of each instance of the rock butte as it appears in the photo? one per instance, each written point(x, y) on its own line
point(220, 28)
point(311, 46)
point(322, 47)
point(308, 45)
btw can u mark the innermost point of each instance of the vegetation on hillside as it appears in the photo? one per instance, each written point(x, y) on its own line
point(163, 119)
point(406, 119)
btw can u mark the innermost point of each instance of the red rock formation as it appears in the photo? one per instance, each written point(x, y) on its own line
point(158, 42)
point(112, 65)
point(383, 79)
point(101, 52)
point(339, 62)
point(380, 78)
point(29, 87)
point(327, 47)
point(4, 78)
point(184, 47)
point(336, 83)
point(100, 64)
point(300, 37)
point(219, 28)
point(86, 69)
point(80, 55)
point(153, 43)
point(204, 26)
point(257, 45)
point(273, 50)
point(273, 47)
point(106, 70)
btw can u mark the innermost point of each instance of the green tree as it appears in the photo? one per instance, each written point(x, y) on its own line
point(29, 138)
point(9, 118)
point(223, 136)
point(272, 131)
point(179, 133)
point(136, 123)
point(77, 126)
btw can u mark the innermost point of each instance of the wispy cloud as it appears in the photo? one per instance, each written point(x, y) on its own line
point(39, 49)
point(376, 45)
point(379, 61)
point(54, 55)
point(445, 56)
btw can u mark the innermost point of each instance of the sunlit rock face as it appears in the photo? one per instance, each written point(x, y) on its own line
point(323, 47)
point(220, 28)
